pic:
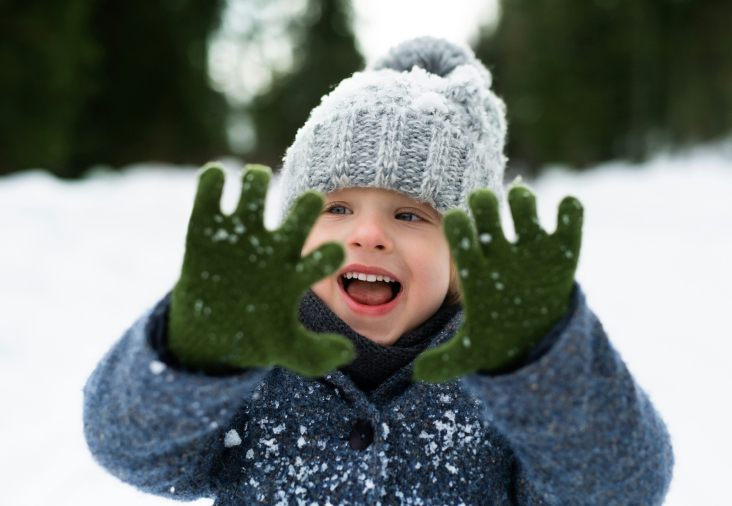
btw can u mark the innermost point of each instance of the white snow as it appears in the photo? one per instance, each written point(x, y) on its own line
point(157, 367)
point(80, 261)
point(430, 102)
point(232, 439)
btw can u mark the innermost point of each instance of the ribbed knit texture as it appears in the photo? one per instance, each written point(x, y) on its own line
point(434, 137)
point(374, 362)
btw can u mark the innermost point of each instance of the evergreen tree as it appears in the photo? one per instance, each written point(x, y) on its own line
point(153, 101)
point(47, 56)
point(87, 82)
point(587, 81)
point(325, 55)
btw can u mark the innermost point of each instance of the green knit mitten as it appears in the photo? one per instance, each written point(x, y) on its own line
point(513, 293)
point(236, 302)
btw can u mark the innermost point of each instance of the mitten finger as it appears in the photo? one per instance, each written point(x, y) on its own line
point(449, 361)
point(523, 210)
point(312, 355)
point(461, 237)
point(320, 263)
point(484, 206)
point(208, 195)
point(254, 183)
point(569, 225)
point(300, 220)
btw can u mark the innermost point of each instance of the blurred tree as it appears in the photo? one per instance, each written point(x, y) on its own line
point(107, 82)
point(586, 81)
point(324, 54)
point(47, 56)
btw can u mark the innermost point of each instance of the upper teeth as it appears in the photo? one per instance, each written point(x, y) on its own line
point(368, 277)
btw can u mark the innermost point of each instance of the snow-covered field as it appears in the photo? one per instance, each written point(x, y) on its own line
point(80, 261)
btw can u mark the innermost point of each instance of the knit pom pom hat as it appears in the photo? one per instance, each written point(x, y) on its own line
point(421, 121)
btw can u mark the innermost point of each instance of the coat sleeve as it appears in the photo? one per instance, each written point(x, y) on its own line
point(157, 427)
point(582, 430)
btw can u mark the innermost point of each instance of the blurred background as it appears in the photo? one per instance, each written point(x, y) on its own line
point(107, 107)
point(86, 83)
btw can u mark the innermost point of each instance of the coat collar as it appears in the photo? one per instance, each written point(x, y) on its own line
point(397, 382)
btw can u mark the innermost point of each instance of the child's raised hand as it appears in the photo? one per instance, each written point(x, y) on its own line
point(513, 293)
point(236, 302)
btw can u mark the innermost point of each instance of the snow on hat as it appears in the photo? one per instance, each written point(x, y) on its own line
point(421, 121)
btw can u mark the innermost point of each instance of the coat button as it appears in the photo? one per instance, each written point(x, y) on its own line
point(362, 435)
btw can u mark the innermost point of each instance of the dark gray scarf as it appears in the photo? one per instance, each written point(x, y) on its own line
point(374, 362)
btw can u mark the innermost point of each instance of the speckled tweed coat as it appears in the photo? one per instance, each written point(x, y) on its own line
point(572, 428)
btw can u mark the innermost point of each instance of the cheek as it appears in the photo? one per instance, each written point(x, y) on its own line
point(431, 265)
point(317, 236)
point(324, 290)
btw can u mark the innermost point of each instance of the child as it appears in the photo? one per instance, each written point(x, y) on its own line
point(398, 392)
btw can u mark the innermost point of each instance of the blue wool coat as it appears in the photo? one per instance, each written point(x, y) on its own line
point(571, 428)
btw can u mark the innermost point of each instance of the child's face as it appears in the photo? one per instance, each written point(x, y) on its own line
point(384, 233)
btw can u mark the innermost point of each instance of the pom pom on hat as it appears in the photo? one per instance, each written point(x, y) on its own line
point(421, 121)
point(436, 56)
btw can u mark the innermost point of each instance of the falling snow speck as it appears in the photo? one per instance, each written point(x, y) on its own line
point(485, 238)
point(465, 243)
point(157, 367)
point(464, 273)
point(232, 439)
point(220, 235)
point(500, 286)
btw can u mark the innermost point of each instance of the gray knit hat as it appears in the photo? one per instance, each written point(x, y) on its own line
point(422, 121)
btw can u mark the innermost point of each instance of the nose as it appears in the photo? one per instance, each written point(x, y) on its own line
point(370, 233)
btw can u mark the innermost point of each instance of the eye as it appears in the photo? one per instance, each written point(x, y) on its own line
point(338, 209)
point(408, 217)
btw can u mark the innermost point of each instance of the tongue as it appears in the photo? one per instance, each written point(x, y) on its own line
point(370, 293)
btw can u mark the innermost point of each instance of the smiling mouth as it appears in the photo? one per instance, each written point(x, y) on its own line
point(368, 290)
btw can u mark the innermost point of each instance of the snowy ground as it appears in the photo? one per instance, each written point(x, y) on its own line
point(80, 261)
